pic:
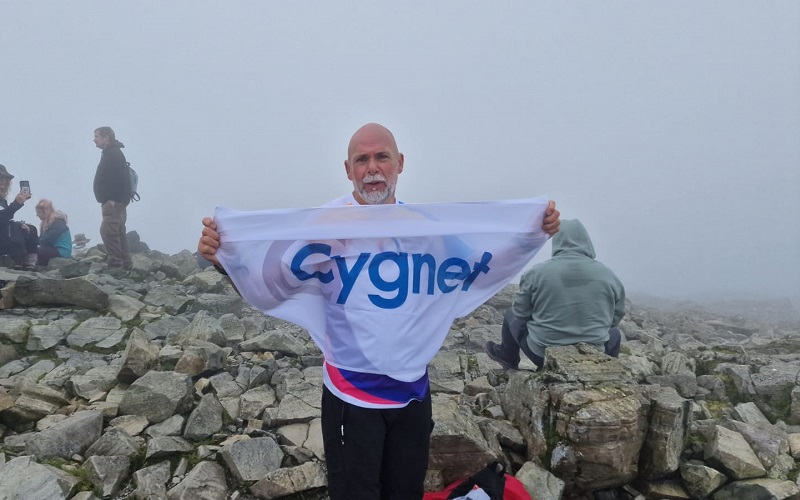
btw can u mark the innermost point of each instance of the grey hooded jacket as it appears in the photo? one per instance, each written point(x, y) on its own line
point(570, 298)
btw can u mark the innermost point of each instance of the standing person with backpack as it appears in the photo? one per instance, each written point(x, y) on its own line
point(112, 189)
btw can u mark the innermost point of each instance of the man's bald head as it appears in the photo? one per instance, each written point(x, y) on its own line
point(373, 164)
point(370, 133)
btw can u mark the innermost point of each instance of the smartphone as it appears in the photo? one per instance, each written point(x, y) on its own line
point(25, 186)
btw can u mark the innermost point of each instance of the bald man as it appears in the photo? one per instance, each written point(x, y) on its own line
point(373, 450)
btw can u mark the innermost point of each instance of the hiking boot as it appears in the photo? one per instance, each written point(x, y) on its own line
point(494, 352)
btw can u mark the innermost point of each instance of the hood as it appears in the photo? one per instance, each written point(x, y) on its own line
point(60, 215)
point(572, 238)
point(115, 144)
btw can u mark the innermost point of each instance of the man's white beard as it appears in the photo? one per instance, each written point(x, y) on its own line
point(375, 197)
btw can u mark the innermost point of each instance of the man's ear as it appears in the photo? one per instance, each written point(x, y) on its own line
point(402, 160)
point(347, 170)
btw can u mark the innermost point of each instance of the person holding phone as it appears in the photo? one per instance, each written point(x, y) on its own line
point(17, 240)
point(112, 189)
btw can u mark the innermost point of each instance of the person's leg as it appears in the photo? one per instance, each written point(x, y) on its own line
point(127, 263)
point(110, 230)
point(353, 441)
point(405, 452)
point(46, 253)
point(31, 239)
point(614, 342)
point(512, 337)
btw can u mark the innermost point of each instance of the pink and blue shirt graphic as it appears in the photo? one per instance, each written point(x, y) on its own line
point(377, 287)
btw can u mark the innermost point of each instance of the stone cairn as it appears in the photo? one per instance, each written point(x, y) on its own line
point(161, 383)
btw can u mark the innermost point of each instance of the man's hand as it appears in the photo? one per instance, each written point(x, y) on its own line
point(22, 197)
point(209, 241)
point(552, 219)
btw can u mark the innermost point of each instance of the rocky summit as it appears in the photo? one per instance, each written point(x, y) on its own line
point(161, 383)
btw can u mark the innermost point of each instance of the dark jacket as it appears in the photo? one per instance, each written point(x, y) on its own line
point(10, 242)
point(111, 181)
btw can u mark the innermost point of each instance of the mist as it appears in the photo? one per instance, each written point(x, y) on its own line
point(672, 130)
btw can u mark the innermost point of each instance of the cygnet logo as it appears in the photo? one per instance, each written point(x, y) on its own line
point(452, 269)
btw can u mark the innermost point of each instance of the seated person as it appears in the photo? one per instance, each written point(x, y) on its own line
point(55, 239)
point(17, 239)
point(568, 299)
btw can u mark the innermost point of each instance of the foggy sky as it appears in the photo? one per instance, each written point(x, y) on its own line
point(671, 129)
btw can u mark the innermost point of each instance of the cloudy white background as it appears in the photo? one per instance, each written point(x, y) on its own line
point(671, 129)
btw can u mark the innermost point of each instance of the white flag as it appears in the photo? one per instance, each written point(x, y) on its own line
point(378, 286)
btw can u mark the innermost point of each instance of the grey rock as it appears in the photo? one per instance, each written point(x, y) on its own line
point(7, 353)
point(94, 382)
point(224, 385)
point(670, 418)
point(759, 489)
point(750, 414)
point(233, 327)
point(173, 426)
point(13, 367)
point(139, 357)
point(15, 330)
point(124, 307)
point(205, 481)
point(158, 396)
point(203, 327)
point(539, 482)
point(107, 473)
point(205, 419)
point(94, 331)
point(287, 481)
point(278, 341)
point(172, 299)
point(585, 363)
point(151, 482)
point(40, 481)
point(114, 442)
point(164, 326)
point(301, 403)
point(700, 480)
point(208, 281)
point(768, 442)
point(200, 357)
point(252, 459)
point(67, 438)
point(78, 292)
point(132, 425)
point(164, 446)
point(253, 402)
point(599, 433)
point(43, 337)
point(457, 443)
point(217, 304)
point(729, 450)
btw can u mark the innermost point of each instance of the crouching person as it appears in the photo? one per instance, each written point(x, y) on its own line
point(569, 299)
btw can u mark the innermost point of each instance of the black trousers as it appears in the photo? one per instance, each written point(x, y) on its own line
point(376, 454)
point(515, 330)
